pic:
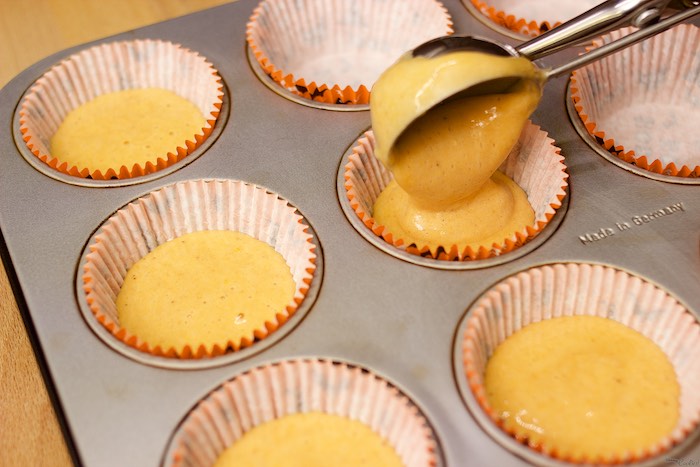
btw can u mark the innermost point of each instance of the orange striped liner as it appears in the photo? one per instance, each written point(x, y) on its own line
point(573, 289)
point(113, 67)
point(612, 70)
point(282, 29)
point(186, 207)
point(535, 164)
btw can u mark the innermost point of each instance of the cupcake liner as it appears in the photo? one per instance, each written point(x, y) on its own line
point(113, 67)
point(640, 104)
point(584, 289)
point(298, 386)
point(332, 51)
point(531, 17)
point(185, 207)
point(534, 164)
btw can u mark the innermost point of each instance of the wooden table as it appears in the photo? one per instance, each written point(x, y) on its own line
point(29, 31)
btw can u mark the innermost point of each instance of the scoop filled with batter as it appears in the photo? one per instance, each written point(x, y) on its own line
point(444, 153)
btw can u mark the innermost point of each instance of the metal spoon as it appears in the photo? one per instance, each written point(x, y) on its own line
point(612, 14)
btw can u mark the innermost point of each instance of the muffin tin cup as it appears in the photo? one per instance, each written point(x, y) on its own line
point(185, 207)
point(638, 104)
point(109, 68)
point(528, 18)
point(272, 391)
point(377, 312)
point(292, 43)
point(534, 164)
point(575, 289)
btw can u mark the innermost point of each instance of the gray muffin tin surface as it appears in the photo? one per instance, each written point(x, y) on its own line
point(372, 309)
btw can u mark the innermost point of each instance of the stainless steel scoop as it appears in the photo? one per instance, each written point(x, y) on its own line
point(651, 16)
point(408, 103)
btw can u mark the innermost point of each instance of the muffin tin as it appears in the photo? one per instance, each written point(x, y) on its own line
point(372, 309)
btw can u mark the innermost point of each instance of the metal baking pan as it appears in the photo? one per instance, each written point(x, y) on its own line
point(372, 308)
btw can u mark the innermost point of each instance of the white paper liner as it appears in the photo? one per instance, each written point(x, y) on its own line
point(298, 386)
point(185, 207)
point(333, 50)
point(575, 289)
point(534, 164)
point(642, 103)
point(113, 67)
point(532, 17)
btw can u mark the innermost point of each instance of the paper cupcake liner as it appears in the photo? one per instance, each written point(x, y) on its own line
point(113, 67)
point(640, 104)
point(531, 17)
point(299, 386)
point(534, 164)
point(185, 207)
point(332, 51)
point(584, 289)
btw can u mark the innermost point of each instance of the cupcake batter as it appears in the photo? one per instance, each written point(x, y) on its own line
point(310, 440)
point(585, 386)
point(209, 287)
point(446, 188)
point(125, 128)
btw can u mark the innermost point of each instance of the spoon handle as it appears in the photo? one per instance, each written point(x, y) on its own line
point(608, 15)
point(622, 43)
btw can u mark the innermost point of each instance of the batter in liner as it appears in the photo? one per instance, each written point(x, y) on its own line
point(444, 158)
point(125, 128)
point(310, 440)
point(585, 386)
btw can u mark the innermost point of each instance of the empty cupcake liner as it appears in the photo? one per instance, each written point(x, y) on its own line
point(641, 104)
point(531, 17)
point(332, 51)
point(534, 164)
point(575, 289)
point(185, 207)
point(112, 67)
point(272, 391)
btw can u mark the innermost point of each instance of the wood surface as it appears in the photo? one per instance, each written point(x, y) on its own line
point(29, 31)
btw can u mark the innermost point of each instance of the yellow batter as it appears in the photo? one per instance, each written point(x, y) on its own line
point(126, 128)
point(488, 216)
point(207, 287)
point(586, 386)
point(444, 158)
point(310, 440)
